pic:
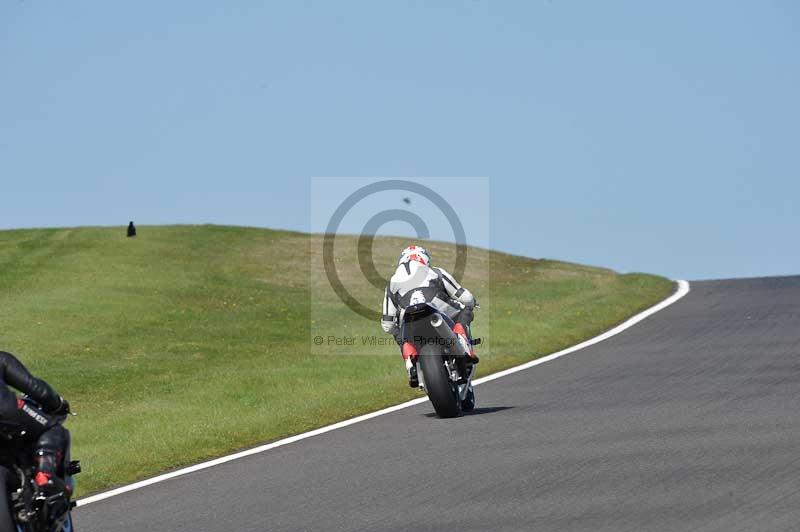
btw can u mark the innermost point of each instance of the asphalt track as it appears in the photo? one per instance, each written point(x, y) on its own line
point(689, 420)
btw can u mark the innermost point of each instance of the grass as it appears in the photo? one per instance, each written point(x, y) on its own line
point(188, 342)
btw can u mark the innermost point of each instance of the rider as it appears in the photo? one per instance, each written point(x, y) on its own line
point(414, 272)
point(43, 423)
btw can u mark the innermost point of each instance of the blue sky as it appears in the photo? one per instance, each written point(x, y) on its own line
point(642, 136)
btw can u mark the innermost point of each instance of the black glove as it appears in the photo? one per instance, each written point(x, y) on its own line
point(63, 409)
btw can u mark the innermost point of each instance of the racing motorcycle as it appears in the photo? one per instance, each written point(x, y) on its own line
point(19, 510)
point(445, 368)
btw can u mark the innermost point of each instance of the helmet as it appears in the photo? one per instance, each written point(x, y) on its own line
point(417, 253)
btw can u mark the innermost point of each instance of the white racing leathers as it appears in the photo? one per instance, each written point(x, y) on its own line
point(414, 283)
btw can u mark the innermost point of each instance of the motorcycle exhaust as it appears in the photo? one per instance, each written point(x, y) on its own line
point(446, 333)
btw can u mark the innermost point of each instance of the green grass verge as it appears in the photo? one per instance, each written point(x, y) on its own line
point(192, 341)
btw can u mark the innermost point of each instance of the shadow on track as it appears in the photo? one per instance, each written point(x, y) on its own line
point(479, 411)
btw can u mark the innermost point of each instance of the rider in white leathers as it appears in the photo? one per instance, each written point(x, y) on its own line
point(414, 281)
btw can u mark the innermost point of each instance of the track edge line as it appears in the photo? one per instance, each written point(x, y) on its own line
point(682, 290)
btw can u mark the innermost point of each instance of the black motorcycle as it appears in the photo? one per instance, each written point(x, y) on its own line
point(19, 510)
point(445, 368)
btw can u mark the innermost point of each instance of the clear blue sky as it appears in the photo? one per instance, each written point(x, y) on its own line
point(661, 137)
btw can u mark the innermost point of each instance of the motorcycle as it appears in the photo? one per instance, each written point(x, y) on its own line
point(19, 510)
point(446, 370)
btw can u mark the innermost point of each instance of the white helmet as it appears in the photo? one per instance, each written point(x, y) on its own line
point(417, 253)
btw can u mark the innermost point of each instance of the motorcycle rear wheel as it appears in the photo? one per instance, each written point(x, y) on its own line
point(440, 389)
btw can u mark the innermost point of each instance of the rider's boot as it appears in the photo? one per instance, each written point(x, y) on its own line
point(410, 357)
point(463, 338)
point(47, 481)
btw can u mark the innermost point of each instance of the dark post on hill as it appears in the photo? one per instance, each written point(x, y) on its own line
point(131, 230)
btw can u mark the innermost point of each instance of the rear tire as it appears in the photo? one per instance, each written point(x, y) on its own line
point(6, 521)
point(438, 386)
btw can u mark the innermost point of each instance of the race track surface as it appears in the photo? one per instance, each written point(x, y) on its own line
point(689, 420)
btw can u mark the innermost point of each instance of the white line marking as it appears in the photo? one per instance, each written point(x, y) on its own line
point(683, 289)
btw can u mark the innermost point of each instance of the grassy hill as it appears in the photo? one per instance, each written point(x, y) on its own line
point(191, 341)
